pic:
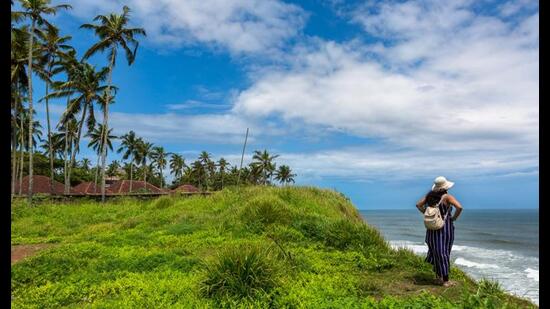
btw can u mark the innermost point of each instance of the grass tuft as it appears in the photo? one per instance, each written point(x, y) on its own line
point(240, 272)
point(262, 211)
point(163, 202)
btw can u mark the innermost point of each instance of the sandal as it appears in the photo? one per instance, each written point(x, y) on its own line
point(448, 283)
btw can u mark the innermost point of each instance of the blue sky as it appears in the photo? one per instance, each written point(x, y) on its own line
point(374, 99)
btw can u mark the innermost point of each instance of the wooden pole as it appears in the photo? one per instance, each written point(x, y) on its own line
point(242, 157)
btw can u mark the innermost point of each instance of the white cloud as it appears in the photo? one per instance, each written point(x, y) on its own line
point(170, 127)
point(194, 104)
point(384, 163)
point(241, 26)
point(446, 90)
point(475, 87)
point(513, 7)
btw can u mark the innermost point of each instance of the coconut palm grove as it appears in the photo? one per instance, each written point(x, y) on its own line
point(107, 211)
point(40, 50)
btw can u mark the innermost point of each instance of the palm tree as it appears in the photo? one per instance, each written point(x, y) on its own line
point(86, 84)
point(142, 154)
point(112, 170)
point(129, 146)
point(112, 32)
point(177, 165)
point(253, 173)
point(198, 172)
point(68, 63)
point(206, 162)
point(159, 158)
point(55, 145)
point(24, 140)
point(69, 128)
point(52, 46)
point(85, 164)
point(37, 135)
point(34, 9)
point(264, 162)
point(222, 165)
point(284, 175)
point(97, 137)
point(128, 169)
point(18, 129)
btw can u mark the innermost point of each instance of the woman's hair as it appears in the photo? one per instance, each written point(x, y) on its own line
point(433, 197)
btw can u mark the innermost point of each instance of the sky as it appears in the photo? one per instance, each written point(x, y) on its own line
point(373, 99)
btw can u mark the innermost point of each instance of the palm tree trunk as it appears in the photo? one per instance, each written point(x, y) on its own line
point(161, 178)
point(65, 172)
point(31, 37)
point(49, 130)
point(131, 173)
point(22, 152)
point(76, 147)
point(14, 152)
point(96, 173)
point(13, 156)
point(105, 127)
point(145, 174)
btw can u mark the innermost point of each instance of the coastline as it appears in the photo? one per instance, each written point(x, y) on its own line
point(482, 251)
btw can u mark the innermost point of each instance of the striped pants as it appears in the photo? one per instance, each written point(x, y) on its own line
point(440, 243)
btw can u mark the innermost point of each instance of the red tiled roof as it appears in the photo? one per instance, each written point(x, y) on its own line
point(186, 188)
point(41, 184)
point(123, 186)
point(88, 187)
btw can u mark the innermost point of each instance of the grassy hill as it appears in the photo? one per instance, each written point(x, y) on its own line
point(257, 247)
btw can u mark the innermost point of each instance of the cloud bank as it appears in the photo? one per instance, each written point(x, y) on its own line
point(239, 26)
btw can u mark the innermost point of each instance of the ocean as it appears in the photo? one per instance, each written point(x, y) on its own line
point(501, 245)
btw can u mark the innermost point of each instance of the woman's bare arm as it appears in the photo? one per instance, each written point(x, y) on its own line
point(420, 204)
point(453, 201)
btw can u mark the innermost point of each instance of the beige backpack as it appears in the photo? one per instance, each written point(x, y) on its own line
point(432, 217)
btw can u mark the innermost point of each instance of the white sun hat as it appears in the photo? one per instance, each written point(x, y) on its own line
point(441, 183)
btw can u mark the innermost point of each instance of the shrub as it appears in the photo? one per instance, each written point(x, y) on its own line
point(241, 272)
point(378, 263)
point(130, 223)
point(284, 233)
point(344, 234)
point(369, 287)
point(489, 295)
point(341, 235)
point(163, 202)
point(265, 210)
point(311, 227)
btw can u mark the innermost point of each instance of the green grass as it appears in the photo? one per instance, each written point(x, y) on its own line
point(256, 247)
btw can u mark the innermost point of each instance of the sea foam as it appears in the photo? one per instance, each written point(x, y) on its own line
point(465, 262)
point(504, 266)
point(533, 274)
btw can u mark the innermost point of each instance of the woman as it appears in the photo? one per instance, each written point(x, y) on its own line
point(440, 241)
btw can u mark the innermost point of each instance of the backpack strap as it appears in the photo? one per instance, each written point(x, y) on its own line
point(448, 210)
point(440, 201)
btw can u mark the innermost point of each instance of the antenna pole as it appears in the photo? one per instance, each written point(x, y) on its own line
point(242, 157)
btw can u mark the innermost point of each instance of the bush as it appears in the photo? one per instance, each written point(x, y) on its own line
point(265, 210)
point(344, 234)
point(369, 287)
point(311, 227)
point(163, 202)
point(489, 295)
point(241, 272)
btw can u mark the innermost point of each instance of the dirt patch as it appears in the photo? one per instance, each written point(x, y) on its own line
point(19, 252)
